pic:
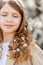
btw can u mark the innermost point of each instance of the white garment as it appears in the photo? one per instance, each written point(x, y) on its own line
point(4, 53)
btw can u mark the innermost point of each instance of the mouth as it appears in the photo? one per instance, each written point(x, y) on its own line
point(8, 25)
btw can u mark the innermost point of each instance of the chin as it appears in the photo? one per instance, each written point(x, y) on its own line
point(9, 31)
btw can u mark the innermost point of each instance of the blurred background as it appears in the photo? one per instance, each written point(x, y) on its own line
point(34, 14)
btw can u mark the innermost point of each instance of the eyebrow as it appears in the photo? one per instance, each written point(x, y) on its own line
point(7, 13)
point(15, 13)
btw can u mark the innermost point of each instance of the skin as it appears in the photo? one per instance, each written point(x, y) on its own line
point(9, 21)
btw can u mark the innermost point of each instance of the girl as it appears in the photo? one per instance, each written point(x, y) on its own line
point(17, 46)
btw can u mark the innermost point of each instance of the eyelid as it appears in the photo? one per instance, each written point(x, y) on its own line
point(15, 14)
point(4, 13)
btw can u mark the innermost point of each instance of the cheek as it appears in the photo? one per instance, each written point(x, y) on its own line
point(1, 22)
point(2, 19)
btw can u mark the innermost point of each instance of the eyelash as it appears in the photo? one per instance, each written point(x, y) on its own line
point(13, 16)
point(4, 15)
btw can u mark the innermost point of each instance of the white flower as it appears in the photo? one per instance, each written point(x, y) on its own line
point(14, 50)
point(25, 45)
point(18, 49)
point(22, 38)
point(25, 28)
point(15, 40)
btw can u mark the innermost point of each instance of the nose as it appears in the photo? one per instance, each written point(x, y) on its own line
point(9, 18)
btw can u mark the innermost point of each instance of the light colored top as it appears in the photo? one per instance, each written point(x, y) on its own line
point(4, 53)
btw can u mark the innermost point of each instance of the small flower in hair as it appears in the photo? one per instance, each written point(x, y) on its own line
point(23, 38)
point(14, 50)
point(25, 28)
point(25, 45)
point(18, 49)
point(15, 40)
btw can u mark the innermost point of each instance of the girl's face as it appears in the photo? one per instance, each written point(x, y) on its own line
point(9, 18)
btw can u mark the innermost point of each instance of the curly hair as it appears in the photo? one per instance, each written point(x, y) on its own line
point(19, 46)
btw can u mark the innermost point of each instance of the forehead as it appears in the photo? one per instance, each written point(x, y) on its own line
point(8, 8)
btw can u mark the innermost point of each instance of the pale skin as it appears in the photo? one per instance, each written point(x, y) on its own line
point(9, 21)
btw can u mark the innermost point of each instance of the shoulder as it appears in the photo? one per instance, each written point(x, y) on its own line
point(37, 54)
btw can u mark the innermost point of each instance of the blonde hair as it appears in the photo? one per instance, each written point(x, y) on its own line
point(19, 46)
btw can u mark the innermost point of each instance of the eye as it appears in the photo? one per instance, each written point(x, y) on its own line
point(15, 16)
point(4, 14)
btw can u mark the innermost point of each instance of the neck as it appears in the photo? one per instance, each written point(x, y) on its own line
point(8, 36)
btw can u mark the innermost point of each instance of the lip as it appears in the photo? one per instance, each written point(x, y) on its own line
point(8, 25)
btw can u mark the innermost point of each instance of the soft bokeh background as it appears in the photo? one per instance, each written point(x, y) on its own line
point(34, 14)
